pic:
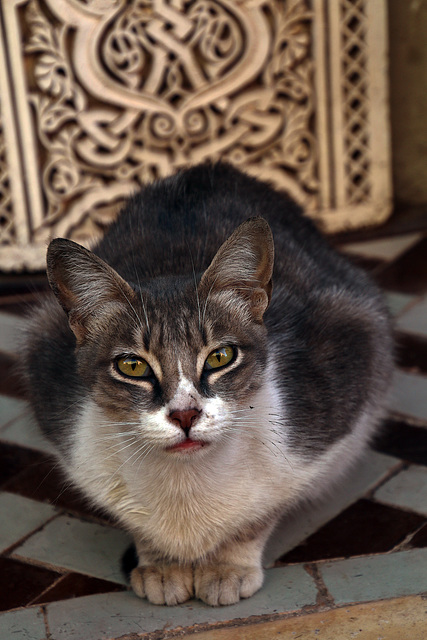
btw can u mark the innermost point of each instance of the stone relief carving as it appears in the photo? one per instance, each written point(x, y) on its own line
point(118, 92)
point(7, 227)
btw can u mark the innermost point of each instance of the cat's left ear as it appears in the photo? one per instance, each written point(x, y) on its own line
point(244, 265)
point(86, 286)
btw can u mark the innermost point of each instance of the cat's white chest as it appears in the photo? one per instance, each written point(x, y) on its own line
point(191, 508)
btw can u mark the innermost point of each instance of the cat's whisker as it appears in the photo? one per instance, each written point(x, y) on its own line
point(117, 451)
point(140, 295)
point(207, 298)
point(135, 453)
point(196, 287)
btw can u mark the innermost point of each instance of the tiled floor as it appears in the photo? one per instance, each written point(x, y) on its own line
point(355, 566)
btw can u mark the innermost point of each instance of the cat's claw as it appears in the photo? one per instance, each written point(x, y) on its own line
point(224, 584)
point(165, 584)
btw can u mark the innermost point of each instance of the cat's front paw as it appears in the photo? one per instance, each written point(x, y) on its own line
point(164, 584)
point(221, 584)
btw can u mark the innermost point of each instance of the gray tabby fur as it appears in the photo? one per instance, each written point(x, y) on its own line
point(186, 269)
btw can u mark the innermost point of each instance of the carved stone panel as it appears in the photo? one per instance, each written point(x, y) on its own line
point(100, 96)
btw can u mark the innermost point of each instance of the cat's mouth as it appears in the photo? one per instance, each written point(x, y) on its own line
point(187, 446)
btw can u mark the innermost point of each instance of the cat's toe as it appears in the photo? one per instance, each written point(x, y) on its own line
point(166, 584)
point(225, 584)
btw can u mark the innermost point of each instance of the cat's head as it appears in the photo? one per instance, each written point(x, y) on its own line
point(177, 359)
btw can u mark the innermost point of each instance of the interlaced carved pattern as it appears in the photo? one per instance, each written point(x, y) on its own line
point(146, 87)
point(7, 227)
point(356, 101)
point(101, 96)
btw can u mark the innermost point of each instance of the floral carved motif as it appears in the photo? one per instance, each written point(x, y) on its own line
point(110, 94)
point(7, 227)
point(131, 91)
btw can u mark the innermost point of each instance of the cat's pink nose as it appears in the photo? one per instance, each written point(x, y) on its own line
point(185, 419)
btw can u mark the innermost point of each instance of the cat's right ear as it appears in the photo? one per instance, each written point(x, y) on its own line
point(85, 285)
point(243, 266)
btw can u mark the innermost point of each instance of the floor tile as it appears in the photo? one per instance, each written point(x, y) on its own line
point(376, 577)
point(409, 395)
point(14, 460)
point(46, 482)
point(407, 274)
point(398, 438)
point(293, 529)
point(414, 320)
point(25, 432)
point(76, 585)
point(411, 352)
point(364, 528)
point(85, 547)
point(115, 614)
point(24, 624)
point(396, 619)
point(19, 517)
point(398, 302)
point(407, 489)
point(10, 409)
point(420, 539)
point(21, 583)
point(11, 330)
point(11, 381)
point(384, 248)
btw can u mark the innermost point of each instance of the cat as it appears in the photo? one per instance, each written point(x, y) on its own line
point(188, 397)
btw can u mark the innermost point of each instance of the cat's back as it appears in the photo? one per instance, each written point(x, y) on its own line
point(177, 224)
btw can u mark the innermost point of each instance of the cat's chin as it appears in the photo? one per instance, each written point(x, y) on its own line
point(187, 446)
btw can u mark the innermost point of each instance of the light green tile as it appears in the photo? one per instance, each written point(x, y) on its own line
point(293, 529)
point(383, 249)
point(376, 577)
point(115, 614)
point(409, 395)
point(407, 489)
point(85, 547)
point(398, 302)
point(10, 409)
point(20, 516)
point(415, 319)
point(25, 432)
point(24, 624)
point(11, 330)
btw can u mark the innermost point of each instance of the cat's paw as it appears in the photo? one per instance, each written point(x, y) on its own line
point(164, 584)
point(223, 584)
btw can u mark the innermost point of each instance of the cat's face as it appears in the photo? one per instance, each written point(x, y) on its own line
point(178, 385)
point(173, 365)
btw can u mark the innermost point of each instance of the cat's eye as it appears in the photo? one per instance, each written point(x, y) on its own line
point(134, 367)
point(219, 358)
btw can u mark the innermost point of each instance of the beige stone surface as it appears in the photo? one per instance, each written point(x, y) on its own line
point(408, 98)
point(396, 619)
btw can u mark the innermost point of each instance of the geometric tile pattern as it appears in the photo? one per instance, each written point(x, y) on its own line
point(60, 559)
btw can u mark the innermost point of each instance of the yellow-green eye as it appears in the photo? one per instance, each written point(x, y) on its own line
point(134, 367)
point(219, 358)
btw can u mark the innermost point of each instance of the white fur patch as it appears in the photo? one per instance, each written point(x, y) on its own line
point(188, 504)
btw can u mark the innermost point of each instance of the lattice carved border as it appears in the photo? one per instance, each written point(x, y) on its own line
point(103, 95)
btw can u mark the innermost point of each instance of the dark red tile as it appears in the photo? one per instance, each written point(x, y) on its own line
point(397, 438)
point(45, 482)
point(411, 352)
point(420, 538)
point(75, 585)
point(368, 264)
point(404, 219)
point(20, 583)
point(407, 274)
point(10, 380)
point(14, 460)
point(364, 528)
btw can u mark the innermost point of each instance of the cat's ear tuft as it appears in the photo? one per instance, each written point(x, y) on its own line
point(244, 264)
point(84, 284)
